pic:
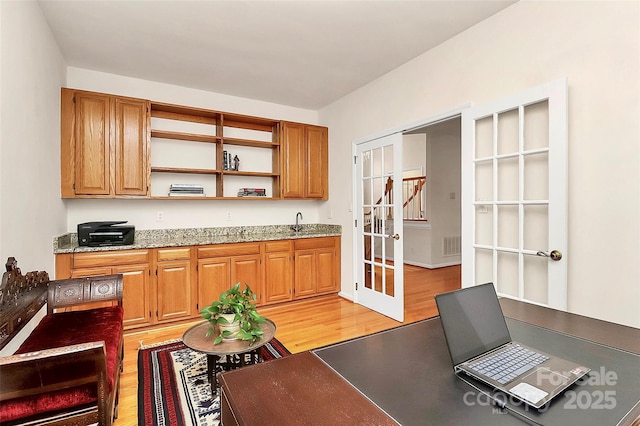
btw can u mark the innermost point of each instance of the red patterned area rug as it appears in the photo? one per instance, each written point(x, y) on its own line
point(173, 388)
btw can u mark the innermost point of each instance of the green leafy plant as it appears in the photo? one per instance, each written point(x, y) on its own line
point(238, 302)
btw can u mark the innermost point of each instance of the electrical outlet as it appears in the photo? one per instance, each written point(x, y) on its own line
point(159, 216)
point(228, 215)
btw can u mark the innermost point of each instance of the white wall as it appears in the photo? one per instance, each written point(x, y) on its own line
point(186, 213)
point(31, 73)
point(596, 45)
point(444, 179)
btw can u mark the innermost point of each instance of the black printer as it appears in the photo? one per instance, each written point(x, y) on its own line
point(96, 234)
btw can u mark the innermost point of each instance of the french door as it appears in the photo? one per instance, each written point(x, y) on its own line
point(514, 195)
point(378, 219)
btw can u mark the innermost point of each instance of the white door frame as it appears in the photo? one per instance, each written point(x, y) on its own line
point(446, 115)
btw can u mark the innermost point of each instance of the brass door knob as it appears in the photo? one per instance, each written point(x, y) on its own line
point(554, 255)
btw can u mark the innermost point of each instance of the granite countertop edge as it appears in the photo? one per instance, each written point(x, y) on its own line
point(147, 239)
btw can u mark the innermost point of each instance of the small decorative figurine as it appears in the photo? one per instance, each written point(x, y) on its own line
point(236, 163)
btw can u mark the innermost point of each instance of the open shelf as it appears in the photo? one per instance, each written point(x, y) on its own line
point(191, 137)
point(183, 113)
point(254, 140)
point(184, 170)
point(211, 198)
point(248, 122)
point(252, 143)
point(254, 174)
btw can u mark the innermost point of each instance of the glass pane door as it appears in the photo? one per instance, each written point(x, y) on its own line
point(379, 229)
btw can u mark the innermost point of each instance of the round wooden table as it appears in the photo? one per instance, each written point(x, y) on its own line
point(236, 353)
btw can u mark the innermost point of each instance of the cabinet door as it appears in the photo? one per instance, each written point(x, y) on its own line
point(325, 260)
point(174, 294)
point(292, 146)
point(131, 172)
point(214, 277)
point(316, 163)
point(246, 270)
point(92, 143)
point(278, 284)
point(305, 273)
point(136, 295)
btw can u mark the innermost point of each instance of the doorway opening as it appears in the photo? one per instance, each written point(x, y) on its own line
point(434, 241)
point(408, 203)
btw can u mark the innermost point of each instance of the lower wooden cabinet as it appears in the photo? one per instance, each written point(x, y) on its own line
point(135, 265)
point(175, 285)
point(317, 263)
point(278, 271)
point(213, 279)
point(221, 266)
point(305, 273)
point(247, 270)
point(136, 295)
point(327, 270)
point(171, 284)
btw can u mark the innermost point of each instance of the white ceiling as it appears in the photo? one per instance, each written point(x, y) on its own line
point(305, 54)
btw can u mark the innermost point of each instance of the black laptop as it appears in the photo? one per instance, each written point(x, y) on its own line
point(480, 346)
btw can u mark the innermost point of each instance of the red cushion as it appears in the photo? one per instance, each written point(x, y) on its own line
point(62, 329)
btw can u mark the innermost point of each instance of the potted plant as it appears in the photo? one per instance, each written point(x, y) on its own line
point(235, 315)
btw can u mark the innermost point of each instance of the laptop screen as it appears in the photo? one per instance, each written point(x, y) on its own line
point(473, 322)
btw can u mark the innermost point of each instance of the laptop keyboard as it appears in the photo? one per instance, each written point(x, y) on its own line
point(508, 364)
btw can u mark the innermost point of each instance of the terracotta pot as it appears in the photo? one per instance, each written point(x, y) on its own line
point(233, 327)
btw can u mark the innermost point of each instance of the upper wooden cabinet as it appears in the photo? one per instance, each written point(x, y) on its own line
point(104, 145)
point(131, 144)
point(292, 146)
point(304, 161)
point(120, 147)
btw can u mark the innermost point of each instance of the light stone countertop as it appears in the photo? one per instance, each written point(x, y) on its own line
point(155, 238)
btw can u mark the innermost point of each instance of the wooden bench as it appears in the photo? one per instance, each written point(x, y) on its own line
point(68, 370)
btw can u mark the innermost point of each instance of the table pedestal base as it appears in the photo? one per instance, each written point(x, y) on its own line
point(217, 364)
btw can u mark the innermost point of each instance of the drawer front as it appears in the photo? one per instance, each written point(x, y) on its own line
point(174, 253)
point(220, 250)
point(277, 246)
point(312, 243)
point(110, 258)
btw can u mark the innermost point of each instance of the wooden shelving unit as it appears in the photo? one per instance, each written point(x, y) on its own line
point(222, 123)
point(145, 147)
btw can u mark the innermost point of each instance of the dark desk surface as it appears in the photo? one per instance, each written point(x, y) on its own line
point(603, 332)
point(406, 372)
point(298, 389)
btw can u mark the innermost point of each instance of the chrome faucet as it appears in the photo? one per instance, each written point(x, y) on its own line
point(297, 227)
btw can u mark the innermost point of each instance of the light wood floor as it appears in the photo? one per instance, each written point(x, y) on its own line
point(303, 325)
